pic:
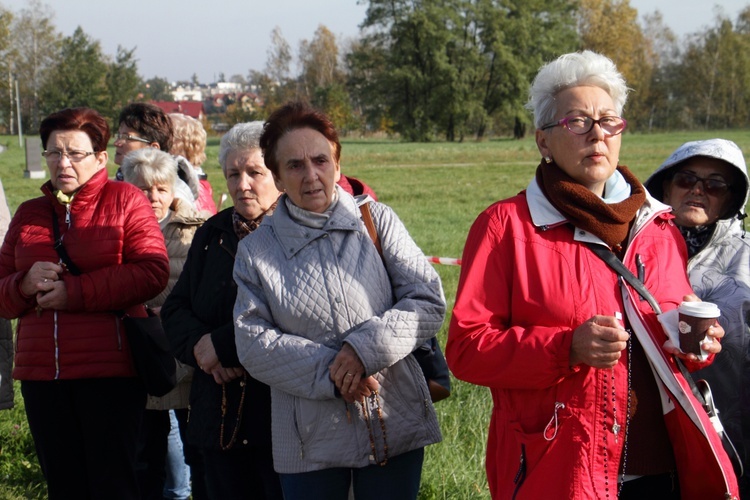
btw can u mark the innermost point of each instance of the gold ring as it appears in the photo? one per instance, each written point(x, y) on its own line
point(349, 374)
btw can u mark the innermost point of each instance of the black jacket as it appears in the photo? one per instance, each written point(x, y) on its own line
point(202, 302)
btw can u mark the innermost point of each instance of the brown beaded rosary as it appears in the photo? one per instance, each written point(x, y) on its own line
point(374, 404)
point(230, 444)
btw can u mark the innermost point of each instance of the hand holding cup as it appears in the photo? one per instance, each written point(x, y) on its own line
point(695, 320)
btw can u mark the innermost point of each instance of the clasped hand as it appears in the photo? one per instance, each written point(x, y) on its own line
point(208, 361)
point(598, 342)
point(347, 372)
point(44, 281)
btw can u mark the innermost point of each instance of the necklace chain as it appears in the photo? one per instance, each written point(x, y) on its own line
point(627, 416)
point(615, 428)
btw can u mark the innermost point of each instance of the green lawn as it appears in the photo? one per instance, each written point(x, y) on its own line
point(437, 189)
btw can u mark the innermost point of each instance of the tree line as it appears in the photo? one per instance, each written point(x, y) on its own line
point(421, 70)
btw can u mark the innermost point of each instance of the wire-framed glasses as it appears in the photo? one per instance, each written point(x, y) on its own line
point(713, 187)
point(54, 155)
point(579, 125)
point(127, 137)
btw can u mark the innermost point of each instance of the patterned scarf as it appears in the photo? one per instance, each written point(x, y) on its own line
point(586, 210)
point(243, 227)
point(696, 237)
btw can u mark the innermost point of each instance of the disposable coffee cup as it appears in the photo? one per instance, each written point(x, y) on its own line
point(695, 320)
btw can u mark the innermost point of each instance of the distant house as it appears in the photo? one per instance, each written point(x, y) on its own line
point(185, 92)
point(190, 108)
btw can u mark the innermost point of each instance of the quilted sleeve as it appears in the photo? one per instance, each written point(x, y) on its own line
point(284, 361)
point(419, 305)
point(12, 304)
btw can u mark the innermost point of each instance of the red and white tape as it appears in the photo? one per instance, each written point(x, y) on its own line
point(446, 261)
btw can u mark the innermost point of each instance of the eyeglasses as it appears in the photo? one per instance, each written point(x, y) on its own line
point(128, 137)
point(53, 155)
point(580, 125)
point(712, 187)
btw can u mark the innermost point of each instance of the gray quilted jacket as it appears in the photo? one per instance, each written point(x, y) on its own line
point(302, 293)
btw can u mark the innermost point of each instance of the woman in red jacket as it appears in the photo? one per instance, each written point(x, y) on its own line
point(587, 404)
point(82, 397)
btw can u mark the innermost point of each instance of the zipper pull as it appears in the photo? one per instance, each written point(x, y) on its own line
point(67, 214)
point(553, 422)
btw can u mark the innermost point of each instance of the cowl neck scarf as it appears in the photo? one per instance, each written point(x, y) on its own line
point(586, 210)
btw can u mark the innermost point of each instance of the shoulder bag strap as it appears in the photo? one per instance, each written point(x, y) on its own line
point(371, 230)
point(607, 256)
point(60, 248)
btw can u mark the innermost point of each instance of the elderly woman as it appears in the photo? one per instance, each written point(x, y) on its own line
point(566, 348)
point(189, 141)
point(154, 172)
point(230, 412)
point(706, 184)
point(81, 394)
point(330, 325)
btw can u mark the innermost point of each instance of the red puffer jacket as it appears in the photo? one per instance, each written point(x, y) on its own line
point(524, 288)
point(115, 240)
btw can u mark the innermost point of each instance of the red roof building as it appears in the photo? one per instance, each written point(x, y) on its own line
point(193, 109)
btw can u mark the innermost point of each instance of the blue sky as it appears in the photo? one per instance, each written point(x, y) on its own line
point(173, 40)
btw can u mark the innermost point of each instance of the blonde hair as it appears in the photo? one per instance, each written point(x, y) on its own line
point(188, 138)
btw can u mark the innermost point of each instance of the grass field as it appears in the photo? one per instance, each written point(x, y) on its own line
point(437, 189)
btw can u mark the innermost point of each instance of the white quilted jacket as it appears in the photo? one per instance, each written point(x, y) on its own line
point(302, 292)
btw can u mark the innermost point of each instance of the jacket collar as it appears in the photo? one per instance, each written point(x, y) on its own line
point(544, 215)
point(85, 193)
point(293, 236)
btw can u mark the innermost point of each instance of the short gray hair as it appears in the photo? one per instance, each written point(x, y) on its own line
point(574, 70)
point(149, 166)
point(241, 137)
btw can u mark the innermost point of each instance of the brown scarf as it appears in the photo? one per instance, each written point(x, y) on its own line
point(243, 227)
point(586, 210)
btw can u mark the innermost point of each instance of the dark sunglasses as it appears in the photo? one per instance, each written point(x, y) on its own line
point(713, 187)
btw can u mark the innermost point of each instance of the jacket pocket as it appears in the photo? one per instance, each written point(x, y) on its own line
point(540, 450)
point(325, 434)
point(406, 383)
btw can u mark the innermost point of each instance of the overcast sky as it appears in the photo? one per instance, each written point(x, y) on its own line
point(174, 40)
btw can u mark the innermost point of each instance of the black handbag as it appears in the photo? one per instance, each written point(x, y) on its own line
point(428, 355)
point(151, 353)
point(149, 346)
point(700, 389)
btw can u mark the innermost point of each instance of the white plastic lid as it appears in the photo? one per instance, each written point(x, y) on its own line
point(700, 309)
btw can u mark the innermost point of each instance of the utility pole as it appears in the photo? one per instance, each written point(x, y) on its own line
point(18, 113)
point(10, 100)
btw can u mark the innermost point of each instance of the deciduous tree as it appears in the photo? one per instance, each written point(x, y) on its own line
point(122, 82)
point(36, 44)
point(611, 27)
point(78, 77)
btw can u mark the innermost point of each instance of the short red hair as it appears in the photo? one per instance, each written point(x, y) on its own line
point(293, 116)
point(86, 120)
